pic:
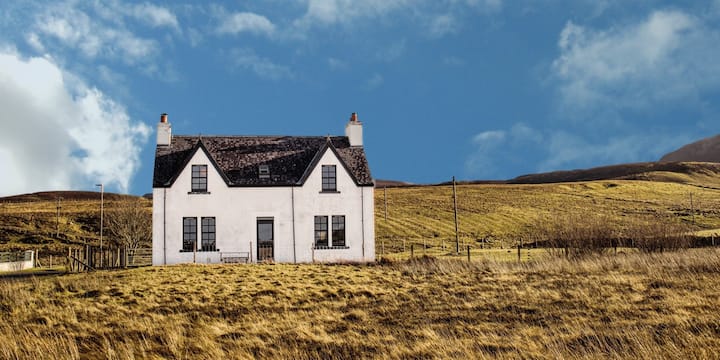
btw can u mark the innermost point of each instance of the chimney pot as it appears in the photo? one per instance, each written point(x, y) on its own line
point(163, 117)
point(353, 117)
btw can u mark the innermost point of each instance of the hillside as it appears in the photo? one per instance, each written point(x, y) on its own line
point(33, 220)
point(494, 215)
point(705, 150)
point(503, 214)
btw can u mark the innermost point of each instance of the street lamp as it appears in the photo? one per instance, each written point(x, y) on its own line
point(102, 211)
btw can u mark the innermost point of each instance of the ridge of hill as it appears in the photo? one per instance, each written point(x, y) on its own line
point(704, 150)
point(696, 173)
point(65, 195)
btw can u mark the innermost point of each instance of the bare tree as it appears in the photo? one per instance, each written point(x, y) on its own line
point(130, 224)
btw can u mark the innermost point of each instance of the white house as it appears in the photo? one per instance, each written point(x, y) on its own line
point(258, 198)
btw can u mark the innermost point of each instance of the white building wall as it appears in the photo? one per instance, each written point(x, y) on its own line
point(237, 209)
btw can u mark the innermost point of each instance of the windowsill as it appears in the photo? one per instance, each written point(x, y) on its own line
point(329, 192)
point(202, 251)
point(198, 193)
point(331, 247)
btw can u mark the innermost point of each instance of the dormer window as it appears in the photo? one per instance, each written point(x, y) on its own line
point(199, 178)
point(264, 171)
point(329, 180)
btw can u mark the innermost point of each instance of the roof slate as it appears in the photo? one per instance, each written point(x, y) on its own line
point(238, 158)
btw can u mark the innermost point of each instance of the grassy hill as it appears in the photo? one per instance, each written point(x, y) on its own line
point(33, 221)
point(491, 215)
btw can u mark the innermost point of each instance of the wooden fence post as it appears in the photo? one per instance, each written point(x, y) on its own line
point(412, 250)
point(519, 246)
point(468, 252)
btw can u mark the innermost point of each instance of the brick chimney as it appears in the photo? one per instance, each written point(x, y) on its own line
point(164, 131)
point(354, 131)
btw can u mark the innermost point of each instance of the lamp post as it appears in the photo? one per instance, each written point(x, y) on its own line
point(102, 211)
point(57, 218)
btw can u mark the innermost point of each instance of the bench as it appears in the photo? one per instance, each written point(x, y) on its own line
point(234, 257)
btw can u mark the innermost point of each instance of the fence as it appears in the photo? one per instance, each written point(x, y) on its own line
point(15, 261)
point(93, 258)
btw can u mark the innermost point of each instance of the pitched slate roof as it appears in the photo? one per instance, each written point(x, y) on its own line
point(237, 158)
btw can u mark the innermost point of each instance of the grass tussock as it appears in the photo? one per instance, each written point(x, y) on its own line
point(646, 306)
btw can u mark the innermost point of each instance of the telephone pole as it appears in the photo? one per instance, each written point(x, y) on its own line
point(457, 238)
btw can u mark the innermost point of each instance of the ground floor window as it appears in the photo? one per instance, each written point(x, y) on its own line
point(330, 237)
point(189, 233)
point(208, 234)
point(321, 231)
point(338, 230)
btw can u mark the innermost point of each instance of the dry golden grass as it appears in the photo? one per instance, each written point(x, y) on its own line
point(645, 306)
point(503, 215)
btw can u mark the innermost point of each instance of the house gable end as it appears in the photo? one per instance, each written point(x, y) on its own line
point(316, 160)
point(198, 146)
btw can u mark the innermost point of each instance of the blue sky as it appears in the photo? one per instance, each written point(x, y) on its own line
point(479, 89)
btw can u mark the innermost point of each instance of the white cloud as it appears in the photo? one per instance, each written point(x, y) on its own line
point(263, 67)
point(74, 28)
point(668, 56)
point(34, 41)
point(442, 25)
point(554, 150)
point(329, 12)
point(236, 23)
point(492, 136)
point(153, 15)
point(60, 134)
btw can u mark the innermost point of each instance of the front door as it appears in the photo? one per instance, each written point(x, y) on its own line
point(265, 236)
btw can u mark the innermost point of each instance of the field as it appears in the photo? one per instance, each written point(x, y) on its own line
point(489, 216)
point(502, 215)
point(625, 305)
point(645, 306)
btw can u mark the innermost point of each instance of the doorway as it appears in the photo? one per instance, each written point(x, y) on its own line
point(265, 239)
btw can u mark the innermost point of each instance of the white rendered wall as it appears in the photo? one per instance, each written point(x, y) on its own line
point(237, 209)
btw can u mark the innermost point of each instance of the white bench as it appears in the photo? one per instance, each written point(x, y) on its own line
point(234, 257)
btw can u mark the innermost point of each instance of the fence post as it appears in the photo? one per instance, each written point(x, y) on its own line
point(412, 250)
point(519, 246)
point(468, 252)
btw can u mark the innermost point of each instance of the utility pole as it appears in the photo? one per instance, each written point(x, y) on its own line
point(457, 239)
point(102, 212)
point(57, 218)
point(385, 195)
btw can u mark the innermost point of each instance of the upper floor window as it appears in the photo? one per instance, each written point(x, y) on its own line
point(189, 233)
point(199, 178)
point(329, 180)
point(208, 234)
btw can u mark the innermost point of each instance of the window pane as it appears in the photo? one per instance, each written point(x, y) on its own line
point(338, 230)
point(265, 230)
point(189, 233)
point(321, 231)
point(199, 178)
point(208, 234)
point(328, 178)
